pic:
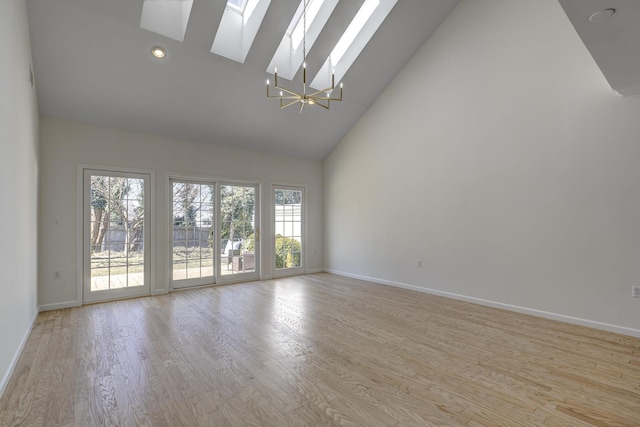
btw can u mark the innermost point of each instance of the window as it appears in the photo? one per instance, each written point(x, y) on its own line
point(361, 29)
point(239, 5)
point(288, 57)
point(166, 17)
point(238, 28)
point(288, 230)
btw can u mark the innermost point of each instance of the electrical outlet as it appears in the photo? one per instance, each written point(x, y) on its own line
point(635, 291)
point(418, 263)
point(57, 274)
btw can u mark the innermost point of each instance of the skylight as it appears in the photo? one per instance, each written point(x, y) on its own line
point(243, 7)
point(250, 7)
point(352, 31)
point(313, 7)
point(166, 17)
point(242, 19)
point(288, 57)
point(361, 29)
point(238, 28)
point(239, 5)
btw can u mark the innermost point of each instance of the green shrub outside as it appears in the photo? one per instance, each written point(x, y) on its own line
point(287, 252)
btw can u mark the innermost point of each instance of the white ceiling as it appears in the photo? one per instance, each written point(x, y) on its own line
point(93, 64)
point(614, 42)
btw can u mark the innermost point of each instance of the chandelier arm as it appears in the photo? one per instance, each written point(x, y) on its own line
point(326, 107)
point(292, 95)
point(284, 97)
point(290, 92)
point(287, 96)
point(338, 98)
point(280, 97)
point(321, 91)
point(328, 98)
point(283, 105)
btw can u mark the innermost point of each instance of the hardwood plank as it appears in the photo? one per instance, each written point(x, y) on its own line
point(317, 350)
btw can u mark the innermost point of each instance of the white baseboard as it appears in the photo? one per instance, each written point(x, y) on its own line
point(59, 306)
point(531, 311)
point(315, 270)
point(12, 366)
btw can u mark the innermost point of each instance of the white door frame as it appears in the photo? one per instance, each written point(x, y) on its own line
point(84, 283)
point(293, 271)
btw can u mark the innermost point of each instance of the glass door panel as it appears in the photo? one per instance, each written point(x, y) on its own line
point(192, 231)
point(238, 242)
point(288, 230)
point(115, 225)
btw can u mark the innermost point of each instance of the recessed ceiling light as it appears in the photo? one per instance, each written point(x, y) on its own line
point(158, 51)
point(602, 15)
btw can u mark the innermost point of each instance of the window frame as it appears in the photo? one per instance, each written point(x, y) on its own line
point(291, 271)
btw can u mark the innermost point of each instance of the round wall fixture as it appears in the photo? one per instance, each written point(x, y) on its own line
point(158, 52)
point(602, 15)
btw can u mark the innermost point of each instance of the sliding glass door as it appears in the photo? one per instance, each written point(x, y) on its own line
point(213, 232)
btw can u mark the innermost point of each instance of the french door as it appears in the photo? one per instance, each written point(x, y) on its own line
point(214, 232)
point(288, 230)
point(192, 233)
point(239, 232)
point(115, 235)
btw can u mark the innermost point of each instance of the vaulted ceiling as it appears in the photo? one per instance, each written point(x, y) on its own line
point(92, 64)
point(610, 29)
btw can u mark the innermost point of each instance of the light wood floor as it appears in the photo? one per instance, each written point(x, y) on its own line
point(318, 350)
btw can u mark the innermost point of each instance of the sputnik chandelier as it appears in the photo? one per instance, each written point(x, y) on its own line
point(288, 97)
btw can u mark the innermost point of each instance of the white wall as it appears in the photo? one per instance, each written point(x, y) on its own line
point(65, 145)
point(19, 188)
point(502, 160)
